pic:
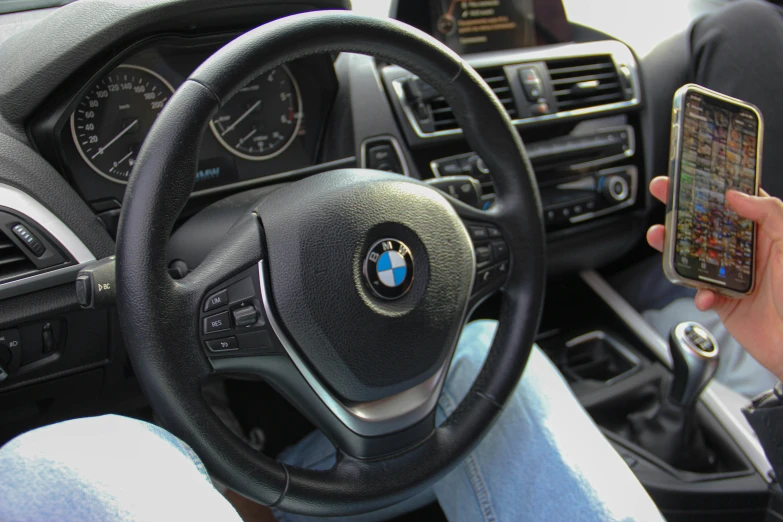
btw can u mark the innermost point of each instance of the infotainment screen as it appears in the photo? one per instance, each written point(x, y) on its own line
point(494, 25)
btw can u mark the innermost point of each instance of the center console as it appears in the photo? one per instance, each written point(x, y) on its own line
point(691, 449)
point(576, 107)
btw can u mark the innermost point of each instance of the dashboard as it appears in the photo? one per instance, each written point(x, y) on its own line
point(273, 125)
point(75, 107)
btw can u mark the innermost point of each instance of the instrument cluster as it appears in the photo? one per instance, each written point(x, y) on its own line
point(271, 126)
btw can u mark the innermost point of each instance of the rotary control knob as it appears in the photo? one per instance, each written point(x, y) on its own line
point(615, 188)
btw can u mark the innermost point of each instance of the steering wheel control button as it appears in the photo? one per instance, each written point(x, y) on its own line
point(492, 257)
point(227, 344)
point(483, 255)
point(245, 316)
point(500, 250)
point(216, 300)
point(243, 290)
point(381, 154)
point(478, 233)
point(217, 323)
point(463, 188)
point(388, 268)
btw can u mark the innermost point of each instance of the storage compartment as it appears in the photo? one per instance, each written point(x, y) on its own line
point(597, 356)
point(613, 373)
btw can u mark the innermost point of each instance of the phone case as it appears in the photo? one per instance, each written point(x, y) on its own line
point(674, 182)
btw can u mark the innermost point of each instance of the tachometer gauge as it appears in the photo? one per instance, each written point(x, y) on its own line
point(263, 118)
point(111, 121)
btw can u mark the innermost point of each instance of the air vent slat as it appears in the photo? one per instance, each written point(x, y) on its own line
point(587, 102)
point(586, 81)
point(582, 68)
point(13, 261)
point(579, 79)
point(442, 115)
point(602, 87)
point(9, 260)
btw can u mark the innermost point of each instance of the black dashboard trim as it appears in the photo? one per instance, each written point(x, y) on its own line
point(78, 33)
point(47, 129)
point(281, 176)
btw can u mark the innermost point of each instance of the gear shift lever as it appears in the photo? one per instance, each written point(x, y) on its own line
point(695, 360)
point(670, 428)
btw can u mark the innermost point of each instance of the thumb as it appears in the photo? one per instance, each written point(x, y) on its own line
point(766, 211)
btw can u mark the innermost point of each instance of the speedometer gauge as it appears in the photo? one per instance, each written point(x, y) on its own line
point(111, 121)
point(263, 118)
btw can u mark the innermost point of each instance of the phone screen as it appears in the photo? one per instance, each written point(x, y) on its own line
point(719, 148)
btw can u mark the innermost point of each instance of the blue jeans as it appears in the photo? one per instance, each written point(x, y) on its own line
point(543, 459)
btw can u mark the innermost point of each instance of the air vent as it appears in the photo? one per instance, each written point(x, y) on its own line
point(582, 82)
point(13, 262)
point(434, 114)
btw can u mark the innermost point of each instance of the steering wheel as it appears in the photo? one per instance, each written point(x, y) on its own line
point(346, 291)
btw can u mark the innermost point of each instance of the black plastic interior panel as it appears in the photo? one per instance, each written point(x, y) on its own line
point(43, 57)
point(22, 168)
point(173, 58)
point(25, 249)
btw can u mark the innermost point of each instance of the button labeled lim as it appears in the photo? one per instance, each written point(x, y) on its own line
point(216, 300)
point(222, 345)
point(216, 323)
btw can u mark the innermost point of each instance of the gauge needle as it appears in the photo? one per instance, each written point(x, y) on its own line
point(128, 155)
point(118, 136)
point(246, 137)
point(244, 115)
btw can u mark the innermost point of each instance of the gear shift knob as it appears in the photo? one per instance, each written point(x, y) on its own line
point(695, 359)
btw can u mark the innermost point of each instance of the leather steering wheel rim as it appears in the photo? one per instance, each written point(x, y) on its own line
point(156, 312)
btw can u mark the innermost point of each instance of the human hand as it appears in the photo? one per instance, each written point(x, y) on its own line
point(756, 320)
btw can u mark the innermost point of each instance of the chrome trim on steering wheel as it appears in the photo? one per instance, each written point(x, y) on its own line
point(372, 418)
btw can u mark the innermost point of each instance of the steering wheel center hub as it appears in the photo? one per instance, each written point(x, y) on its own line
point(341, 250)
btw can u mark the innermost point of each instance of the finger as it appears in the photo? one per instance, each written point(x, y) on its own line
point(705, 300)
point(659, 188)
point(766, 211)
point(655, 237)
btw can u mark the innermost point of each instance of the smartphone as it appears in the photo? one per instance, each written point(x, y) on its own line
point(715, 146)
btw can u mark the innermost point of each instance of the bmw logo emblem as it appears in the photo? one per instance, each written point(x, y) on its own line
point(388, 268)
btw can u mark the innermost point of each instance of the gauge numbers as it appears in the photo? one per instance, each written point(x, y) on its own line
point(112, 120)
point(263, 118)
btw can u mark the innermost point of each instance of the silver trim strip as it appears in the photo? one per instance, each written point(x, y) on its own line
point(369, 418)
point(628, 153)
point(397, 149)
point(723, 402)
point(25, 204)
point(621, 56)
point(532, 153)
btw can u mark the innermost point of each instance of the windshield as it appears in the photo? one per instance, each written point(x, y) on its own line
point(12, 6)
